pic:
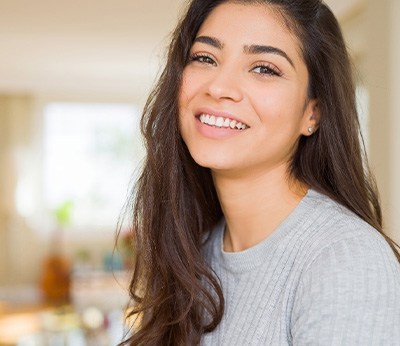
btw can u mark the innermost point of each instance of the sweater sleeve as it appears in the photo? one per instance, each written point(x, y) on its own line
point(349, 295)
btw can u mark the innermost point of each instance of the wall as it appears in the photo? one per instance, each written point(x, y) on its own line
point(371, 31)
point(395, 116)
point(383, 80)
point(18, 246)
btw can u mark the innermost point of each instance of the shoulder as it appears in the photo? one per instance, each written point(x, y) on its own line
point(341, 253)
point(333, 230)
point(362, 260)
point(351, 271)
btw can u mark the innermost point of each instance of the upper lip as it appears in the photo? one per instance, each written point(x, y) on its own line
point(218, 113)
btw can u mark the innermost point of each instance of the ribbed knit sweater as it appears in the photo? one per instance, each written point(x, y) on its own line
point(323, 277)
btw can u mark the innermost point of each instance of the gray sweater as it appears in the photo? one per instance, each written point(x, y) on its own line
point(323, 277)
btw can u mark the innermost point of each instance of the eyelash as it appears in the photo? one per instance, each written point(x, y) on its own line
point(201, 58)
point(208, 60)
point(271, 70)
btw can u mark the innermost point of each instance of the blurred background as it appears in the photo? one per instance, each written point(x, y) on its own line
point(74, 77)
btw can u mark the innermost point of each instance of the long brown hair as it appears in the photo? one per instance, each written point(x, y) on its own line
point(174, 292)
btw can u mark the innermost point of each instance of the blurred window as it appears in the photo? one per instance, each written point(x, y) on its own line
point(90, 154)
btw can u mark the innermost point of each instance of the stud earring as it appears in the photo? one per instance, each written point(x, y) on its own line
point(310, 130)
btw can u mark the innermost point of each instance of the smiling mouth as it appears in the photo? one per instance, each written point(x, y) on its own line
point(222, 122)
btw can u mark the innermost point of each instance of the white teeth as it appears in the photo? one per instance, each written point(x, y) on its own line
point(221, 122)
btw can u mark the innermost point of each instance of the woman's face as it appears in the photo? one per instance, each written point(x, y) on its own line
point(243, 101)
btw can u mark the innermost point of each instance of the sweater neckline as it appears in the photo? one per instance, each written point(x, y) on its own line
point(243, 261)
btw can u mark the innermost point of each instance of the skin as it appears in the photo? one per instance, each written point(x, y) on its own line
point(266, 89)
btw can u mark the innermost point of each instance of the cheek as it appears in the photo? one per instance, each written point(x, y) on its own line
point(183, 93)
point(192, 85)
point(186, 91)
point(184, 100)
point(269, 107)
point(278, 108)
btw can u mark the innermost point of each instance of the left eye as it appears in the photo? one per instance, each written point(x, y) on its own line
point(202, 59)
point(266, 70)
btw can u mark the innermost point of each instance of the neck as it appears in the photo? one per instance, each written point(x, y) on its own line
point(254, 205)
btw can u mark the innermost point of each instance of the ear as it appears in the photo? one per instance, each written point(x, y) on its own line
point(311, 118)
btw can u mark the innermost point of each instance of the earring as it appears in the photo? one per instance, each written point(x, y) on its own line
point(310, 130)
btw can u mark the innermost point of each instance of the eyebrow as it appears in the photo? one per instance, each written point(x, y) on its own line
point(212, 41)
point(252, 49)
point(259, 49)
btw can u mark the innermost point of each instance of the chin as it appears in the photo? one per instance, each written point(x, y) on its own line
point(218, 163)
point(212, 161)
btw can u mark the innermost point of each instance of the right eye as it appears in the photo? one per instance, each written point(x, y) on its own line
point(202, 59)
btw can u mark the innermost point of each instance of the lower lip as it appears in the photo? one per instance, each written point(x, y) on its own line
point(214, 132)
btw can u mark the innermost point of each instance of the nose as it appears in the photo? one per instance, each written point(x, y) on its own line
point(225, 85)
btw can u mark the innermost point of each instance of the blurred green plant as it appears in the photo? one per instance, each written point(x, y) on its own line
point(63, 213)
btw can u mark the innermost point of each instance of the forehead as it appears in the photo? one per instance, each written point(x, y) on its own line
point(252, 23)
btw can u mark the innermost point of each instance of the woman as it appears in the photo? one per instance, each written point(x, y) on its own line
point(257, 221)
